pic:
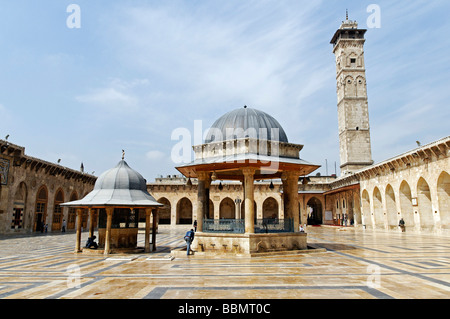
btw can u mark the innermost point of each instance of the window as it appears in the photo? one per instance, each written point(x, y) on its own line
point(352, 60)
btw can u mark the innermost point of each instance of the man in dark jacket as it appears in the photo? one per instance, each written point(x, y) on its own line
point(189, 238)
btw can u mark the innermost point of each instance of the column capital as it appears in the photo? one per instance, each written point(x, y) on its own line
point(248, 171)
point(286, 175)
point(202, 175)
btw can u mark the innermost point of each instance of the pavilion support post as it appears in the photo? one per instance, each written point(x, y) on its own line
point(154, 213)
point(249, 204)
point(78, 239)
point(109, 214)
point(148, 212)
point(91, 222)
point(201, 199)
point(290, 187)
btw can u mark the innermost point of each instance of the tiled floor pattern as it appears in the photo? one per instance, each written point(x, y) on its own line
point(357, 264)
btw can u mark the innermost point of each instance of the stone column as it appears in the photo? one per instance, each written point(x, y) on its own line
point(155, 215)
point(148, 212)
point(109, 213)
point(201, 199)
point(79, 220)
point(290, 188)
point(238, 201)
point(91, 222)
point(249, 200)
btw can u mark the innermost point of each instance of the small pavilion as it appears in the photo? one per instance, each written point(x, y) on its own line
point(248, 145)
point(119, 195)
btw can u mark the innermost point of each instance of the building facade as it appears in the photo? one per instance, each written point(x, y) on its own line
point(32, 190)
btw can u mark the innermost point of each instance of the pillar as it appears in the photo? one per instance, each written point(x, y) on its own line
point(78, 240)
point(154, 213)
point(91, 222)
point(201, 199)
point(249, 199)
point(290, 189)
point(109, 213)
point(238, 201)
point(148, 212)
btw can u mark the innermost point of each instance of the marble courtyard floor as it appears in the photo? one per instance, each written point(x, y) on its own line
point(356, 264)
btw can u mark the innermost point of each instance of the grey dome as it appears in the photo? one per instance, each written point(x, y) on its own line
point(119, 186)
point(121, 177)
point(246, 122)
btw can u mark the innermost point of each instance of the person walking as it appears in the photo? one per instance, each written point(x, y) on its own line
point(64, 226)
point(195, 225)
point(401, 223)
point(189, 238)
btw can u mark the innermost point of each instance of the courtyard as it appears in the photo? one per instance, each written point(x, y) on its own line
point(347, 263)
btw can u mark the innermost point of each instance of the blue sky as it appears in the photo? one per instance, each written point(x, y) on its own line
point(137, 70)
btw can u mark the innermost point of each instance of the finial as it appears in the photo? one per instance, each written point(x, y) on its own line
point(123, 154)
point(346, 14)
point(245, 106)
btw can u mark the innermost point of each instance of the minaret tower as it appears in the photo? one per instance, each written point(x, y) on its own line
point(353, 111)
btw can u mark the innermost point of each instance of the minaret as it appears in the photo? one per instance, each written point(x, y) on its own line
point(353, 111)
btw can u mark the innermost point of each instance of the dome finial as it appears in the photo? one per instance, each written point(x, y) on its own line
point(123, 154)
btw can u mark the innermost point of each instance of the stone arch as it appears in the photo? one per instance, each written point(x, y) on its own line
point(40, 212)
point(406, 205)
point(349, 86)
point(443, 194)
point(20, 199)
point(378, 208)
point(184, 211)
point(367, 219)
point(360, 83)
point(270, 208)
point(211, 209)
point(391, 208)
point(164, 212)
point(314, 211)
point(227, 209)
point(72, 215)
point(424, 205)
point(57, 209)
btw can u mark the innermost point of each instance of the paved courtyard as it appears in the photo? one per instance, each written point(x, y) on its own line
point(357, 264)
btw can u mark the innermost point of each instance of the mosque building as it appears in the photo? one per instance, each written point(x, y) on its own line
point(413, 186)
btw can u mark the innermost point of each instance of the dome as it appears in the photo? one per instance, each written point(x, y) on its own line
point(246, 122)
point(121, 177)
point(118, 186)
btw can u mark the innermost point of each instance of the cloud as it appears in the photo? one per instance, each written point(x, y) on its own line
point(155, 155)
point(118, 96)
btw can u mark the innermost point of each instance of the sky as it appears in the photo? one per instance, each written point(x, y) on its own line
point(81, 85)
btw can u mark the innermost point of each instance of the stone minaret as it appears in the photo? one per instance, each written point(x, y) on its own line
point(353, 112)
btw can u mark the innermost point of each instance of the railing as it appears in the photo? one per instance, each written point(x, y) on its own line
point(237, 226)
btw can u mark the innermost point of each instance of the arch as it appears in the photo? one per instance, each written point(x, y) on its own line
point(211, 209)
point(72, 216)
point(57, 210)
point(314, 211)
point(360, 86)
point(227, 209)
point(367, 219)
point(378, 208)
point(40, 208)
point(184, 211)
point(443, 194)
point(164, 212)
point(349, 86)
point(391, 210)
point(20, 199)
point(406, 205)
point(270, 208)
point(424, 205)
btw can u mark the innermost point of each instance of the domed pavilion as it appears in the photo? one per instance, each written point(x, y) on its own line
point(119, 195)
point(247, 145)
